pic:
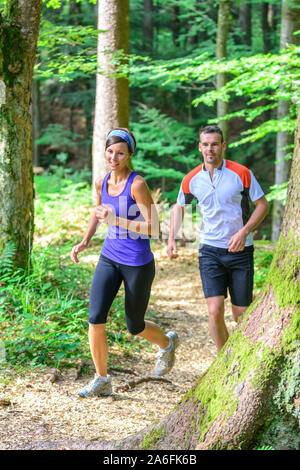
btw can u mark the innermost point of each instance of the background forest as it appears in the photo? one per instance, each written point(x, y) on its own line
point(173, 87)
point(190, 63)
point(177, 66)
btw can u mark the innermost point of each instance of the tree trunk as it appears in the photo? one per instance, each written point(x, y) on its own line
point(223, 24)
point(148, 26)
point(289, 24)
point(175, 25)
point(35, 118)
point(245, 20)
point(112, 94)
point(266, 27)
point(249, 396)
point(19, 26)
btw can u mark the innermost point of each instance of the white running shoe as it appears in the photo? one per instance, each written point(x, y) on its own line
point(97, 387)
point(166, 357)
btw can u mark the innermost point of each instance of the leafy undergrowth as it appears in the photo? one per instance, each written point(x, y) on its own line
point(43, 314)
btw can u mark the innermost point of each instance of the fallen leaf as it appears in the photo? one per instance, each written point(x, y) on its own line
point(5, 402)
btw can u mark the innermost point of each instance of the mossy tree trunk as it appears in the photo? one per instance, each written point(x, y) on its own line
point(19, 26)
point(289, 25)
point(249, 396)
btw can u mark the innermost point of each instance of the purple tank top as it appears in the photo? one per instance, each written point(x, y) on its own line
point(121, 245)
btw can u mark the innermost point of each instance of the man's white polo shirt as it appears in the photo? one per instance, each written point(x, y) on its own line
point(223, 201)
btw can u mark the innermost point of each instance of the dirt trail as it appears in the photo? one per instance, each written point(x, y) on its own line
point(43, 411)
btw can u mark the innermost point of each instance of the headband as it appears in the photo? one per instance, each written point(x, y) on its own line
point(125, 136)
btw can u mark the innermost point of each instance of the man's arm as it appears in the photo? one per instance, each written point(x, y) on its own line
point(177, 215)
point(238, 240)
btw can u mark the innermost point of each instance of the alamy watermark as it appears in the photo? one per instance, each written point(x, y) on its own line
point(186, 228)
point(2, 92)
point(2, 352)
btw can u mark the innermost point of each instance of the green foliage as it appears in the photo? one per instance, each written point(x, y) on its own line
point(43, 314)
point(262, 261)
point(162, 150)
point(66, 51)
point(269, 77)
point(6, 259)
point(57, 136)
point(278, 192)
point(281, 428)
point(265, 448)
point(57, 3)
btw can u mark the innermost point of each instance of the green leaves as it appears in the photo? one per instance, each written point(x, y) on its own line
point(271, 77)
point(163, 146)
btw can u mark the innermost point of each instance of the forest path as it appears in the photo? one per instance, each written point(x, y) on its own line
point(43, 411)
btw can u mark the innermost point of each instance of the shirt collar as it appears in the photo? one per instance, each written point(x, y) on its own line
point(218, 169)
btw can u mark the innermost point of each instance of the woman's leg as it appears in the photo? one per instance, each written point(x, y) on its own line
point(105, 285)
point(154, 334)
point(138, 281)
point(99, 348)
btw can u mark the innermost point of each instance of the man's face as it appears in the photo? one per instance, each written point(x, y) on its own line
point(212, 148)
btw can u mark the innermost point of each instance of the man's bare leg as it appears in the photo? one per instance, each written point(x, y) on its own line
point(237, 312)
point(217, 325)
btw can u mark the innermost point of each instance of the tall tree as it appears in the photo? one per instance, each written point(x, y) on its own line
point(245, 22)
point(19, 26)
point(148, 26)
point(112, 93)
point(175, 24)
point(223, 25)
point(249, 396)
point(289, 24)
point(35, 116)
point(267, 25)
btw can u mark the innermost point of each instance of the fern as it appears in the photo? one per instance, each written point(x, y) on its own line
point(7, 259)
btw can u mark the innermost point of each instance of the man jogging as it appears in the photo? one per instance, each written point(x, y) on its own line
point(222, 188)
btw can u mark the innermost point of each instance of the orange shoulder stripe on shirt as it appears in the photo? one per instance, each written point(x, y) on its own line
point(241, 170)
point(186, 180)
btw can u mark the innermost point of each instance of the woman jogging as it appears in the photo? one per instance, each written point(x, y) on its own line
point(125, 204)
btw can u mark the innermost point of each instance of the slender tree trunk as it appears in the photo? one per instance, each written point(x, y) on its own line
point(19, 26)
point(148, 26)
point(223, 24)
point(175, 24)
point(249, 396)
point(35, 116)
point(289, 24)
point(112, 94)
point(265, 26)
point(245, 20)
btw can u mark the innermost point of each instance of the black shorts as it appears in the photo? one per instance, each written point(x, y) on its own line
point(106, 282)
point(221, 270)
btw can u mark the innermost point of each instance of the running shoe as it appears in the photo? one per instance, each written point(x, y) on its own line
point(97, 387)
point(166, 357)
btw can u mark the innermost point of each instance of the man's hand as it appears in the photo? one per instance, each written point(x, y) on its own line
point(172, 249)
point(237, 241)
point(76, 250)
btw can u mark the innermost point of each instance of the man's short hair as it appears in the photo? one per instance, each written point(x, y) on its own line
point(212, 129)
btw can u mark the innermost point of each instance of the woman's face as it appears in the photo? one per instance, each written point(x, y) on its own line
point(117, 156)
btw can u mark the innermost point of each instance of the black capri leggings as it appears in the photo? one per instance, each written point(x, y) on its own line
point(106, 282)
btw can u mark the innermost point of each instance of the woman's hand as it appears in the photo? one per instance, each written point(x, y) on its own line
point(105, 214)
point(76, 250)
